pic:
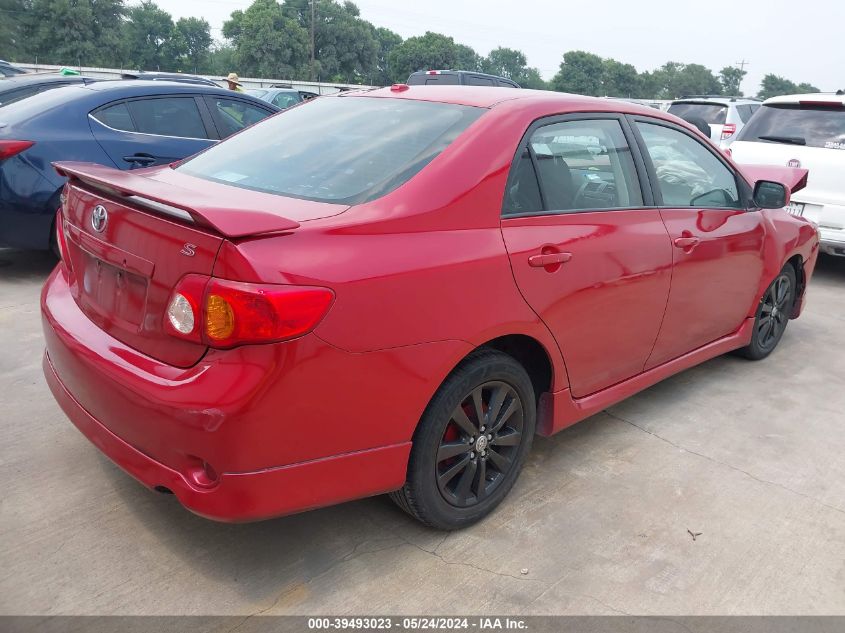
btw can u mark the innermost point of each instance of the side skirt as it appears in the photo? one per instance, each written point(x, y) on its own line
point(559, 410)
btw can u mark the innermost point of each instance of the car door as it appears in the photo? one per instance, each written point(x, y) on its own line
point(717, 243)
point(150, 131)
point(588, 249)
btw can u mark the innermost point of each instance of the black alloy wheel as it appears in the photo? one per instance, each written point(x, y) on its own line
point(773, 314)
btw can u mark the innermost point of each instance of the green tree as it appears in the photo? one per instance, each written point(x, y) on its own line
point(511, 63)
point(430, 51)
point(773, 85)
point(154, 42)
point(11, 29)
point(387, 41)
point(73, 32)
point(805, 88)
point(266, 43)
point(619, 80)
point(221, 60)
point(580, 73)
point(731, 77)
point(196, 34)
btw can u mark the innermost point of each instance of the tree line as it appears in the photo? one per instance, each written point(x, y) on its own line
point(274, 39)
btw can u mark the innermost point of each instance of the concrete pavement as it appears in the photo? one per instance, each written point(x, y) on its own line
point(748, 457)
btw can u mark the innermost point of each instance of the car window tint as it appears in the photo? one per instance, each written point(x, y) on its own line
point(116, 116)
point(711, 113)
point(814, 126)
point(336, 150)
point(744, 112)
point(286, 99)
point(10, 96)
point(168, 116)
point(450, 80)
point(480, 81)
point(523, 190)
point(233, 115)
point(585, 165)
point(688, 174)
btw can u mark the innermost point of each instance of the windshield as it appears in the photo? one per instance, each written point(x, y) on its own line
point(815, 126)
point(711, 113)
point(337, 149)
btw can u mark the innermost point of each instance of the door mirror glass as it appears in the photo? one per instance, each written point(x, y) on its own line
point(770, 195)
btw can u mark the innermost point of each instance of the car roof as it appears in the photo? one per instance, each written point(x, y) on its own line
point(813, 97)
point(704, 99)
point(483, 97)
point(38, 78)
point(142, 87)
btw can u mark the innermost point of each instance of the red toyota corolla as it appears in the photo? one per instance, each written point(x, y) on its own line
point(393, 291)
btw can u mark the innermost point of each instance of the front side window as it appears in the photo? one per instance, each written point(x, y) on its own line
point(580, 166)
point(233, 115)
point(688, 174)
point(168, 116)
point(338, 149)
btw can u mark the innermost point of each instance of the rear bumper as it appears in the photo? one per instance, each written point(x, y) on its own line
point(247, 496)
point(248, 433)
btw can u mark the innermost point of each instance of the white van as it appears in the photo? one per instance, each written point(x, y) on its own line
point(805, 131)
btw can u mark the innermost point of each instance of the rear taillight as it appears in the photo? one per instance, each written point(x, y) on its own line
point(728, 130)
point(223, 314)
point(13, 148)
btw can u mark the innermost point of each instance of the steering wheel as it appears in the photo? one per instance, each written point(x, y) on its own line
point(580, 194)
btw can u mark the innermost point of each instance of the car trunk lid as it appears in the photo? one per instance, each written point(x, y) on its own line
point(130, 238)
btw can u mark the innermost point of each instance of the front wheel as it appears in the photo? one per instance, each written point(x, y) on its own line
point(772, 316)
point(471, 442)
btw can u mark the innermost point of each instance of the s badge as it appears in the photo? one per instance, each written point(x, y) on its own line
point(189, 250)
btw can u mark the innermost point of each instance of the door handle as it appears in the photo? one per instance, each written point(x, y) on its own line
point(140, 159)
point(687, 242)
point(548, 259)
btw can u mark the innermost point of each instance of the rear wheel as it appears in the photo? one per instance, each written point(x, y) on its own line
point(471, 442)
point(772, 316)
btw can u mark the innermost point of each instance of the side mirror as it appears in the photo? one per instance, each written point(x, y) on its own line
point(770, 195)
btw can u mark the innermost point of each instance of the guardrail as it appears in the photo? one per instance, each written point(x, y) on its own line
point(321, 88)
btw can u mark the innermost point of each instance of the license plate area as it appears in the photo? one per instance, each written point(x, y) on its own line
point(110, 294)
point(795, 208)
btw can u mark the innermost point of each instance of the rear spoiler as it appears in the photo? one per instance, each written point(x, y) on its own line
point(792, 178)
point(187, 205)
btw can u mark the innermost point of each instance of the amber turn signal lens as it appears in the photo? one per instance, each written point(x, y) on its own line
point(219, 318)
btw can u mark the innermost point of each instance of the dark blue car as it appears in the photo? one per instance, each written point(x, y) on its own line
point(123, 124)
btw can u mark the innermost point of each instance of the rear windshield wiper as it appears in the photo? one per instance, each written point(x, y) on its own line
point(792, 140)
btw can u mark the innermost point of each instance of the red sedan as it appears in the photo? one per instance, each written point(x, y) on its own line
point(393, 291)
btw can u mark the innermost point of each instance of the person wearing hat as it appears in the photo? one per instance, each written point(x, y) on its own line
point(234, 82)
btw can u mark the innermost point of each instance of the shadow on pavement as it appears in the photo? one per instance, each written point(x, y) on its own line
point(25, 265)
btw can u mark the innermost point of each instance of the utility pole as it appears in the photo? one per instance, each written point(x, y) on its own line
point(742, 65)
point(312, 40)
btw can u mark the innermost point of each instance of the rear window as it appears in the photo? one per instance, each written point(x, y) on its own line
point(814, 126)
point(711, 113)
point(339, 149)
point(421, 79)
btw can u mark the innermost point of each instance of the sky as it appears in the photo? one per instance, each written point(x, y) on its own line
point(801, 41)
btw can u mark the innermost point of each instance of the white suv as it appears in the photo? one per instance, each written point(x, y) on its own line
point(725, 116)
point(805, 131)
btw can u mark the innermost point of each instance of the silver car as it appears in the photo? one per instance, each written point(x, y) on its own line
point(725, 116)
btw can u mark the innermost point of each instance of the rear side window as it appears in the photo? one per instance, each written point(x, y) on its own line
point(480, 81)
point(579, 166)
point(711, 113)
point(116, 116)
point(814, 126)
point(342, 149)
point(168, 116)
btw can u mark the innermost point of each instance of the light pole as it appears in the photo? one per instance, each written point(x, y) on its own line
point(312, 40)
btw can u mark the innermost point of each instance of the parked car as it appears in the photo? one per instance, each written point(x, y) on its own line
point(458, 77)
point(22, 86)
point(805, 131)
point(725, 116)
point(394, 290)
point(9, 70)
point(280, 97)
point(123, 124)
point(159, 76)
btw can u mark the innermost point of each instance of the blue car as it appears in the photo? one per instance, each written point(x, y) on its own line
point(123, 124)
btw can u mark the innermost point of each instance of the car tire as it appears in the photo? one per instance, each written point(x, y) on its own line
point(455, 477)
point(773, 314)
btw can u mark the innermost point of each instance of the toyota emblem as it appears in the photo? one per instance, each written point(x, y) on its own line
point(98, 218)
point(794, 163)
